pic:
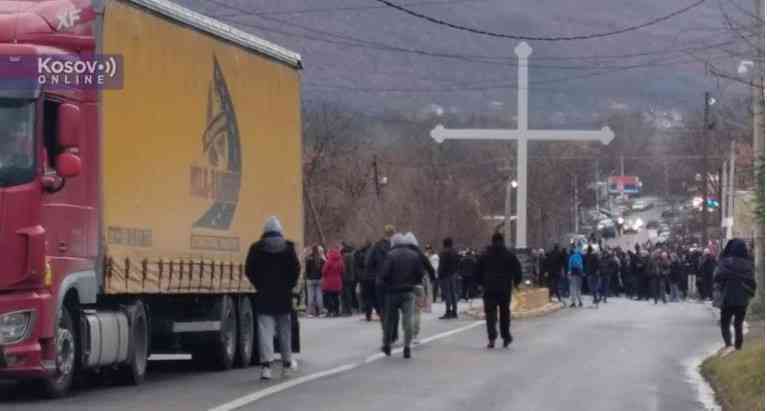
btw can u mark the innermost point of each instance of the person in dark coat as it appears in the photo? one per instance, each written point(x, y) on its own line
point(348, 300)
point(554, 265)
point(498, 270)
point(366, 304)
point(591, 266)
point(707, 268)
point(374, 259)
point(374, 262)
point(735, 277)
point(402, 270)
point(448, 270)
point(313, 274)
point(467, 266)
point(273, 268)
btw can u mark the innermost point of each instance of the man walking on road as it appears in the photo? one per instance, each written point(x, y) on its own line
point(402, 270)
point(591, 266)
point(575, 272)
point(498, 269)
point(349, 281)
point(448, 269)
point(272, 267)
point(374, 262)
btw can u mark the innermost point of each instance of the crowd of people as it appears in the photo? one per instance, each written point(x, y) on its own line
point(342, 281)
point(395, 280)
point(657, 272)
point(398, 280)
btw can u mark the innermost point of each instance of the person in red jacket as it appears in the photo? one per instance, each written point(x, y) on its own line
point(332, 282)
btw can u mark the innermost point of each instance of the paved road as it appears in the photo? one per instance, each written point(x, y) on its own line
point(624, 356)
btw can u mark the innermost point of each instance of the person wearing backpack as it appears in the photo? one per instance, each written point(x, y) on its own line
point(735, 278)
point(575, 272)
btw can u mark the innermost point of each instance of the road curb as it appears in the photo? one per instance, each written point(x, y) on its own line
point(479, 314)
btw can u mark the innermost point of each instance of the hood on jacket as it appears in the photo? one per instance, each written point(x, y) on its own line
point(735, 248)
point(272, 242)
point(410, 239)
point(272, 225)
point(397, 240)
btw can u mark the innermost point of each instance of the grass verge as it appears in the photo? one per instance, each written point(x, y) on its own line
point(738, 379)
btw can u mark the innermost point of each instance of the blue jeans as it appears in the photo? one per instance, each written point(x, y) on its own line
point(594, 283)
point(314, 292)
point(449, 295)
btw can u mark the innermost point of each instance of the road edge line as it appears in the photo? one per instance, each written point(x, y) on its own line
point(260, 394)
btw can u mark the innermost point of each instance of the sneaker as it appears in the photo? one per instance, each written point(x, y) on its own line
point(406, 352)
point(580, 304)
point(727, 351)
point(491, 345)
point(386, 350)
point(572, 305)
point(507, 343)
point(266, 373)
point(445, 317)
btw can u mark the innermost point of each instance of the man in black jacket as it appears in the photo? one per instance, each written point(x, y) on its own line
point(272, 267)
point(554, 265)
point(374, 262)
point(447, 270)
point(402, 270)
point(498, 269)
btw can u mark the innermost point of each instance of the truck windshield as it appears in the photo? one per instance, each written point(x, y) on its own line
point(17, 127)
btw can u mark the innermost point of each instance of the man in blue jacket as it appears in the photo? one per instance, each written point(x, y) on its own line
point(575, 272)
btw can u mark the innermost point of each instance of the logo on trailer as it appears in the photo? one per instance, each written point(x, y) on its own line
point(217, 175)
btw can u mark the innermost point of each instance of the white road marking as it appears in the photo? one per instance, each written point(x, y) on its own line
point(258, 395)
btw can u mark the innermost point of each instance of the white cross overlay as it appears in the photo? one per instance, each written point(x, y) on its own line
point(522, 134)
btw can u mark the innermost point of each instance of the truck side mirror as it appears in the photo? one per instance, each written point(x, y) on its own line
point(69, 125)
point(68, 165)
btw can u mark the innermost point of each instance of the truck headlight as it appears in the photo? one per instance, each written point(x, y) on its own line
point(16, 326)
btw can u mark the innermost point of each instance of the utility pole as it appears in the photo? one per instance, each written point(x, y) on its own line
point(757, 95)
point(731, 192)
point(575, 203)
point(596, 185)
point(375, 176)
point(704, 216)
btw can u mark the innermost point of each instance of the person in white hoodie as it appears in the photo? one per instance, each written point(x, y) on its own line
point(422, 297)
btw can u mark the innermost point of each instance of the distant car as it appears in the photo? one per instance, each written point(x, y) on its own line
point(668, 213)
point(632, 226)
point(638, 206)
point(653, 225)
point(664, 237)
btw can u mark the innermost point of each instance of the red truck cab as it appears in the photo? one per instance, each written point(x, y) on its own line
point(48, 223)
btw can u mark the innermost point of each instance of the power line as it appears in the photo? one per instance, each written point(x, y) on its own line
point(539, 38)
point(497, 86)
point(481, 59)
point(348, 8)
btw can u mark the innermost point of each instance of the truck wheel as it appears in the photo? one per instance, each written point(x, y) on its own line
point(134, 371)
point(58, 384)
point(246, 332)
point(225, 344)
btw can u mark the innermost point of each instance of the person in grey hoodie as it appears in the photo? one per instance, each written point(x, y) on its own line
point(273, 268)
point(402, 270)
point(735, 277)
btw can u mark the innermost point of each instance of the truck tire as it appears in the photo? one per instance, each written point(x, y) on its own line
point(66, 343)
point(134, 371)
point(246, 332)
point(225, 342)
